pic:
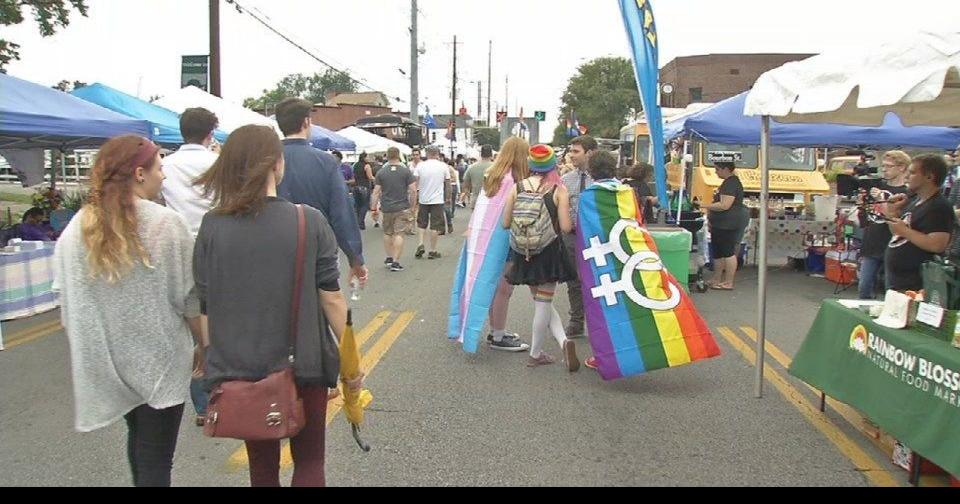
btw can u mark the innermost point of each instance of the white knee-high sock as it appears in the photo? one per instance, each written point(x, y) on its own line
point(556, 327)
point(541, 326)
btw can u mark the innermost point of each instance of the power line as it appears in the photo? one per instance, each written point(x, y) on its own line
point(360, 82)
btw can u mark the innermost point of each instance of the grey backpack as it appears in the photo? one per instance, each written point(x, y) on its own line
point(531, 228)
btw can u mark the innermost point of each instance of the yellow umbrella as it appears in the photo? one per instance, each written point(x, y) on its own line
point(354, 402)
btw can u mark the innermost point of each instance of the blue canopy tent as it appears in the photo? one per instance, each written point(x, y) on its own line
point(166, 123)
point(33, 116)
point(725, 123)
point(324, 139)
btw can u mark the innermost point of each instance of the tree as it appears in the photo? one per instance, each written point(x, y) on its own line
point(313, 88)
point(487, 136)
point(67, 86)
point(49, 14)
point(603, 94)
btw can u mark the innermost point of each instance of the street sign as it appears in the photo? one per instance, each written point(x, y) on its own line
point(724, 156)
point(540, 116)
point(194, 72)
point(501, 116)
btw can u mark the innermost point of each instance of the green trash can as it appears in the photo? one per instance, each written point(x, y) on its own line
point(674, 244)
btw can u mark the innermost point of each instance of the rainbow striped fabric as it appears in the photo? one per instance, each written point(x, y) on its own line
point(480, 268)
point(638, 316)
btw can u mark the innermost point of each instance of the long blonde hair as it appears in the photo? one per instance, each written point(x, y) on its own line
point(109, 221)
point(513, 159)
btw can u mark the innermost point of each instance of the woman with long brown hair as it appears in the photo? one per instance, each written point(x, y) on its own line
point(244, 269)
point(484, 258)
point(123, 270)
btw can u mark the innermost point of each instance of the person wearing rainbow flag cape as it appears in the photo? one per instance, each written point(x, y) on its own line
point(639, 318)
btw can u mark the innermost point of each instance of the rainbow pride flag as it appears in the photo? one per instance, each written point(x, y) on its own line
point(480, 268)
point(638, 316)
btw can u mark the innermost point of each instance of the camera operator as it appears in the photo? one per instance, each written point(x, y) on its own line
point(921, 225)
point(876, 233)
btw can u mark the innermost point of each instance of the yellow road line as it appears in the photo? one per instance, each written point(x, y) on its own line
point(31, 334)
point(372, 327)
point(239, 460)
point(861, 460)
point(852, 416)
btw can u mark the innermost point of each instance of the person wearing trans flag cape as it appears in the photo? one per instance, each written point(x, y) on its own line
point(480, 291)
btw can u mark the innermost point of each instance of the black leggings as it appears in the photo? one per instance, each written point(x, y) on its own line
point(151, 441)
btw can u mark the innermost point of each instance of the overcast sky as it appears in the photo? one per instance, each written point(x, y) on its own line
point(136, 45)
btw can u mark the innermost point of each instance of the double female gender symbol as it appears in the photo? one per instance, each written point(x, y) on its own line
point(638, 261)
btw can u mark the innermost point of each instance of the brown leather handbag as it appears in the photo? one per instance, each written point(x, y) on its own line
point(269, 409)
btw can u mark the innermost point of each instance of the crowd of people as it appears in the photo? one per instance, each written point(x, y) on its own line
point(170, 261)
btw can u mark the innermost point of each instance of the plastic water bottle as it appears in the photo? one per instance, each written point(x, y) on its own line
point(354, 289)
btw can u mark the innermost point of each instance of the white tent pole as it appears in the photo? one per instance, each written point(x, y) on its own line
point(762, 277)
point(683, 182)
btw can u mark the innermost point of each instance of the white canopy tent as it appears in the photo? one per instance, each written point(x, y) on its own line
point(231, 115)
point(916, 77)
point(371, 143)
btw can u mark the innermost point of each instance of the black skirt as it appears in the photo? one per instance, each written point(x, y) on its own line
point(551, 265)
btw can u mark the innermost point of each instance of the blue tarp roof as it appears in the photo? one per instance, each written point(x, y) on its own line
point(166, 123)
point(324, 139)
point(35, 116)
point(725, 123)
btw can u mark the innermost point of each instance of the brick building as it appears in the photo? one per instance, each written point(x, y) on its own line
point(715, 77)
point(340, 116)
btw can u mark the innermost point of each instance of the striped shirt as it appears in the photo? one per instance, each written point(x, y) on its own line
point(576, 181)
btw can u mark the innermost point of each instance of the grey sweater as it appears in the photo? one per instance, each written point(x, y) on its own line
point(129, 341)
point(244, 268)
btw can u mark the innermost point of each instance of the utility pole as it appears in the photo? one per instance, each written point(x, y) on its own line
point(489, 80)
point(453, 97)
point(215, 47)
point(506, 101)
point(414, 65)
point(480, 99)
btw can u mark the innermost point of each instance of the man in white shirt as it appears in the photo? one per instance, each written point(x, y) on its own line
point(181, 168)
point(433, 179)
point(193, 159)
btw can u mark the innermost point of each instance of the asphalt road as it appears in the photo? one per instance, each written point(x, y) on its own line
point(442, 417)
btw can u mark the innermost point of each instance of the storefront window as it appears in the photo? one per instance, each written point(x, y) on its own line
point(785, 158)
point(748, 154)
point(781, 158)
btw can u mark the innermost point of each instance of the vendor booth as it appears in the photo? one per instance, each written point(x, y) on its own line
point(166, 123)
point(231, 116)
point(848, 354)
point(32, 118)
point(372, 144)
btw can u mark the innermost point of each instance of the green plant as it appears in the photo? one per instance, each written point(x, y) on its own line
point(48, 199)
point(75, 200)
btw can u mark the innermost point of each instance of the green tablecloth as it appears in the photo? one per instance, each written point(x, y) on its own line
point(905, 381)
point(674, 246)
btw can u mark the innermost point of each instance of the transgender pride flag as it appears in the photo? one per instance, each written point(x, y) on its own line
point(480, 268)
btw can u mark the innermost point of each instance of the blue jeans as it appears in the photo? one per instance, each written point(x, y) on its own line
point(361, 202)
point(199, 396)
point(869, 269)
